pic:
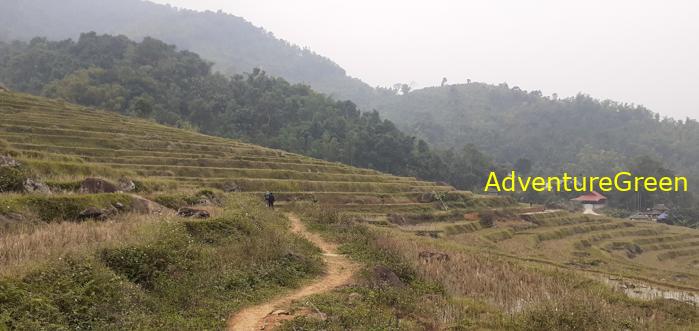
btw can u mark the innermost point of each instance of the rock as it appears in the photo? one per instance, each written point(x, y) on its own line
point(426, 197)
point(191, 212)
point(429, 257)
point(145, 206)
point(32, 186)
point(397, 219)
point(111, 211)
point(230, 187)
point(11, 217)
point(382, 276)
point(92, 213)
point(97, 185)
point(126, 185)
point(8, 161)
point(119, 206)
point(280, 312)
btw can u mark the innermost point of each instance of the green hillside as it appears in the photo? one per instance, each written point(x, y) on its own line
point(143, 267)
point(61, 142)
point(546, 136)
point(234, 44)
point(151, 79)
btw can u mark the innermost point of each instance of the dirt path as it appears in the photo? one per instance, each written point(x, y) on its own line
point(340, 270)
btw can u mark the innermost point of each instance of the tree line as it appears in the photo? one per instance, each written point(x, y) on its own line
point(152, 79)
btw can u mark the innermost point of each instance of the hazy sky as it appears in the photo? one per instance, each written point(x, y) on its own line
point(643, 52)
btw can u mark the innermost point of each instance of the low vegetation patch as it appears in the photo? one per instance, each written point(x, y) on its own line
point(463, 290)
point(50, 208)
point(183, 275)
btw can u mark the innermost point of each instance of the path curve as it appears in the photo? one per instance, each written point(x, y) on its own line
point(340, 271)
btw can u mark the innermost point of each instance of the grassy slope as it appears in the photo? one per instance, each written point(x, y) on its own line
point(149, 271)
point(474, 289)
point(159, 271)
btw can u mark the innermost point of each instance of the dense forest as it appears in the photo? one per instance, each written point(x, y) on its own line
point(549, 135)
point(579, 134)
point(511, 126)
point(231, 42)
point(152, 79)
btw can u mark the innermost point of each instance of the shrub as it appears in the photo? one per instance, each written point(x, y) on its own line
point(214, 231)
point(143, 265)
point(75, 294)
point(487, 219)
point(12, 179)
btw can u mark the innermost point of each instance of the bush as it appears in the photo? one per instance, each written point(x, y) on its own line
point(217, 230)
point(71, 295)
point(73, 186)
point(12, 179)
point(573, 315)
point(144, 265)
point(51, 208)
point(487, 219)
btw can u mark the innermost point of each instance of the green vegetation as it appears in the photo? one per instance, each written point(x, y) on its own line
point(542, 136)
point(54, 208)
point(169, 276)
point(151, 79)
point(234, 44)
point(61, 144)
point(442, 259)
point(12, 179)
point(469, 290)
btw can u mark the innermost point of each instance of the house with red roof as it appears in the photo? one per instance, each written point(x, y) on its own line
point(594, 199)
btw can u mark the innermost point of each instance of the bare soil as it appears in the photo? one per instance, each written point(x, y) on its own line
point(268, 315)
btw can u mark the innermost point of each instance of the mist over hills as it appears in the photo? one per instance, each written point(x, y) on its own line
point(511, 126)
point(580, 134)
point(232, 43)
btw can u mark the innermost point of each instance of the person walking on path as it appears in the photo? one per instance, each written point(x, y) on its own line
point(269, 197)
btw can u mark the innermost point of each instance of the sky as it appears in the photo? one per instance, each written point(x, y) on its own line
point(641, 52)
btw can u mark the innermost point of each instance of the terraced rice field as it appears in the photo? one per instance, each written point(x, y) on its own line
point(63, 143)
point(658, 253)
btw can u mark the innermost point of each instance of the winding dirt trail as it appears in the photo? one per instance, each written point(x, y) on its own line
point(340, 270)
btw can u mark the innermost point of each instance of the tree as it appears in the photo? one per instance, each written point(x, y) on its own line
point(523, 166)
point(405, 89)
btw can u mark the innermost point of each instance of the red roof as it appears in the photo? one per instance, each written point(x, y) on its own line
point(592, 196)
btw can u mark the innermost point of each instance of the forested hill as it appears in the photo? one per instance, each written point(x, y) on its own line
point(152, 79)
point(234, 44)
point(579, 134)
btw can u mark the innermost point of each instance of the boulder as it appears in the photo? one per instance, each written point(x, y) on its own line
point(426, 198)
point(32, 186)
point(191, 212)
point(429, 257)
point(8, 161)
point(397, 219)
point(92, 213)
point(382, 276)
point(119, 206)
point(145, 206)
point(230, 187)
point(126, 185)
point(97, 185)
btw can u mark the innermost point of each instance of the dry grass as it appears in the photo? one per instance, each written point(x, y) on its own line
point(536, 296)
point(28, 246)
